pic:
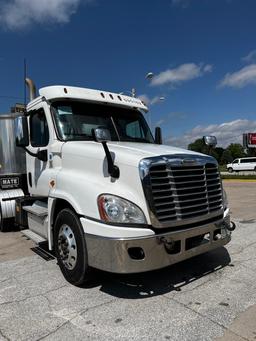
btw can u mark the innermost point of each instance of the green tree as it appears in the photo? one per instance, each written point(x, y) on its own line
point(198, 146)
point(226, 157)
point(217, 153)
point(251, 152)
point(236, 150)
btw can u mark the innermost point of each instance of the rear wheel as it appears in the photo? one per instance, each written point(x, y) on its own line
point(230, 170)
point(70, 247)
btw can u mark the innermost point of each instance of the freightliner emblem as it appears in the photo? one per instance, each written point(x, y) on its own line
point(188, 162)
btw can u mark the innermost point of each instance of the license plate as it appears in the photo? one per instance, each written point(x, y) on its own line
point(9, 182)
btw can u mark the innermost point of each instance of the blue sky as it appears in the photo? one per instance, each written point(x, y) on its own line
point(202, 53)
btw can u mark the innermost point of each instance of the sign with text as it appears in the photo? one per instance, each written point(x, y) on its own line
point(9, 182)
point(251, 140)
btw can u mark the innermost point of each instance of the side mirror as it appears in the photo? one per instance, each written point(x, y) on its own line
point(42, 155)
point(101, 135)
point(21, 131)
point(158, 135)
point(210, 141)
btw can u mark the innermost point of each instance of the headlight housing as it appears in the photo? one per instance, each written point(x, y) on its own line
point(114, 209)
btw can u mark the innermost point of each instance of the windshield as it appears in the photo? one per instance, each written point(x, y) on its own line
point(75, 121)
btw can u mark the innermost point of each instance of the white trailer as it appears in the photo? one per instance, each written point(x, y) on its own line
point(104, 193)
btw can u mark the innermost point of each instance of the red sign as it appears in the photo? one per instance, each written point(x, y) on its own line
point(252, 139)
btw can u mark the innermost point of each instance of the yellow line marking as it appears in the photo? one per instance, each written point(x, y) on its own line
point(240, 180)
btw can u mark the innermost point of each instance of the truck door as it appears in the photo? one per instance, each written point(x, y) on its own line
point(37, 170)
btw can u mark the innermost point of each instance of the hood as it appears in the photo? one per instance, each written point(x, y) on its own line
point(128, 153)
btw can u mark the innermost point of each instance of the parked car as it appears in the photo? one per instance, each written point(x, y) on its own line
point(242, 164)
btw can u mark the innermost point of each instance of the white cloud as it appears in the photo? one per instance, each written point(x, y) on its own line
point(150, 101)
point(20, 14)
point(241, 78)
point(250, 58)
point(226, 133)
point(182, 73)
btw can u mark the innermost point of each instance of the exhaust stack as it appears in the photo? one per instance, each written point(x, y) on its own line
point(32, 88)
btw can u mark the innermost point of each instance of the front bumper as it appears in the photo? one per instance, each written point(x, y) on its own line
point(158, 251)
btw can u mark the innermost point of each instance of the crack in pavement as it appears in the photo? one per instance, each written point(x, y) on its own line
point(29, 271)
point(71, 319)
point(65, 316)
point(207, 317)
point(5, 280)
point(33, 296)
point(240, 262)
point(242, 249)
point(53, 331)
point(5, 337)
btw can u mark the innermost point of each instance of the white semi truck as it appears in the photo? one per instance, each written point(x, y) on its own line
point(87, 176)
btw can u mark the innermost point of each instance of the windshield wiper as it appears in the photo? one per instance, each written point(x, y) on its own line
point(135, 139)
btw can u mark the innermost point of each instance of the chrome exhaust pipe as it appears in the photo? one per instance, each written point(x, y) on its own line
point(32, 88)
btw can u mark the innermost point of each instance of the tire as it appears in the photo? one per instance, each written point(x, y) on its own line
point(230, 170)
point(70, 248)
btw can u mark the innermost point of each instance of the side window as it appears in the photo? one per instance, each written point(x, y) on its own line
point(244, 161)
point(235, 161)
point(39, 132)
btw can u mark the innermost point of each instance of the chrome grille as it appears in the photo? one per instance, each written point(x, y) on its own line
point(181, 193)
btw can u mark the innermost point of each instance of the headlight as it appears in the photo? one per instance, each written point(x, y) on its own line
point(117, 210)
point(225, 198)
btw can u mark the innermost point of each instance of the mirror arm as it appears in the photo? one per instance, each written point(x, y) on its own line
point(112, 169)
point(29, 152)
point(40, 154)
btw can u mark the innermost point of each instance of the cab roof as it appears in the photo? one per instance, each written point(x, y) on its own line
point(70, 92)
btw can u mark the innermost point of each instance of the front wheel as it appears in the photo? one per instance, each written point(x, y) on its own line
point(70, 247)
point(230, 170)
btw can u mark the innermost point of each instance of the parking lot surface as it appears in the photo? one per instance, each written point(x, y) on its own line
point(205, 298)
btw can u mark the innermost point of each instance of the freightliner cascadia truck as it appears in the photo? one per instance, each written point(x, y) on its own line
point(81, 171)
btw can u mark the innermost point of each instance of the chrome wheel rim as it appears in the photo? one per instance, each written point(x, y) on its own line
point(67, 247)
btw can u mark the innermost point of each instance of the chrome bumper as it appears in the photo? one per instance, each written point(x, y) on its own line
point(117, 255)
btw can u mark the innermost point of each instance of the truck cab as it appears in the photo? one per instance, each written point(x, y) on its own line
point(104, 193)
